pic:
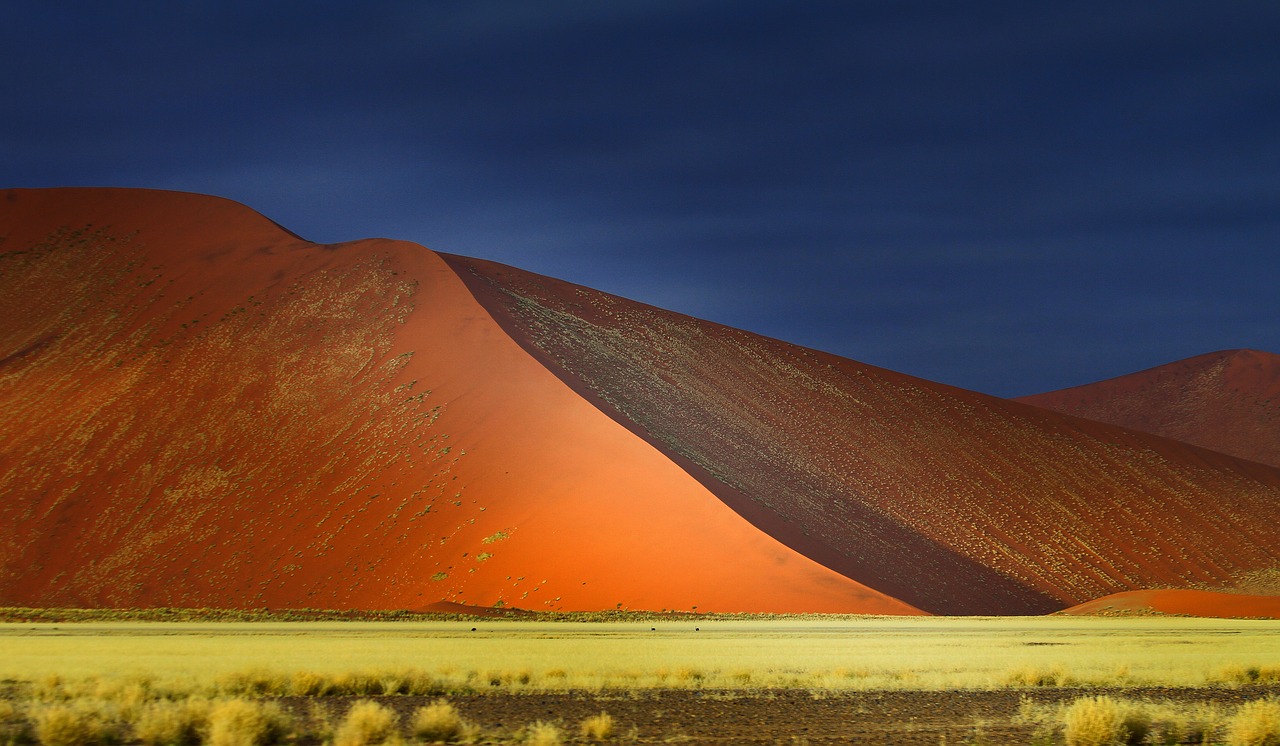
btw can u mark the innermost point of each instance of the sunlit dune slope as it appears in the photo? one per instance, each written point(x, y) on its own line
point(1185, 602)
point(1225, 401)
point(198, 408)
point(953, 501)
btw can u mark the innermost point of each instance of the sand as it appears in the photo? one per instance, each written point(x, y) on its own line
point(956, 502)
point(200, 408)
point(1225, 401)
point(1183, 602)
point(215, 412)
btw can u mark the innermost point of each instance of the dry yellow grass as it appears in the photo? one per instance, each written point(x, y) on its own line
point(1094, 721)
point(1255, 724)
point(81, 722)
point(543, 734)
point(367, 723)
point(425, 658)
point(241, 722)
point(1119, 720)
point(178, 684)
point(438, 722)
point(14, 726)
point(597, 727)
point(172, 723)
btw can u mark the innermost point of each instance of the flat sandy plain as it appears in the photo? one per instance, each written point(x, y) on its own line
point(817, 680)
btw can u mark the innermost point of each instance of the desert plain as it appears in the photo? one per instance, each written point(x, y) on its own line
point(810, 679)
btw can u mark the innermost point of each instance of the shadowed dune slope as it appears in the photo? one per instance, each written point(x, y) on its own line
point(1185, 602)
point(1225, 401)
point(198, 408)
point(956, 502)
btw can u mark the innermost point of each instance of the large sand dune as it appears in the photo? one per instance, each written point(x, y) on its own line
point(199, 408)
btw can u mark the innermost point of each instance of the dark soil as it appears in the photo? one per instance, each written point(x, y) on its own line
point(901, 718)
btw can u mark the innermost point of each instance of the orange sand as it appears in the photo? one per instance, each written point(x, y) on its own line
point(1183, 602)
point(214, 412)
point(956, 502)
point(199, 408)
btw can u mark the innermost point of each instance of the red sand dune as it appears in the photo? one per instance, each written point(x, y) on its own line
point(1184, 602)
point(1224, 401)
point(201, 409)
point(956, 502)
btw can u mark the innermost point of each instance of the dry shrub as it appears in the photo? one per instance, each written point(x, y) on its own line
point(80, 722)
point(1179, 730)
point(169, 723)
point(1032, 676)
point(320, 721)
point(413, 683)
point(597, 727)
point(309, 684)
point(242, 722)
point(1131, 722)
point(522, 677)
point(14, 726)
point(1236, 673)
point(543, 734)
point(128, 695)
point(352, 683)
point(50, 688)
point(1135, 724)
point(254, 683)
point(1255, 724)
point(358, 684)
point(438, 722)
point(367, 723)
point(1094, 721)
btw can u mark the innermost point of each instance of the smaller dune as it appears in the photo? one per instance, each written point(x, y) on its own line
point(1225, 401)
point(1181, 603)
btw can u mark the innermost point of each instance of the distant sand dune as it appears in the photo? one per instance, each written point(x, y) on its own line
point(1183, 602)
point(1224, 401)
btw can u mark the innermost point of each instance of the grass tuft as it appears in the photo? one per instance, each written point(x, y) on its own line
point(1255, 724)
point(542, 733)
point(1236, 674)
point(14, 727)
point(1032, 676)
point(597, 727)
point(253, 683)
point(309, 684)
point(241, 722)
point(438, 722)
point(77, 723)
point(172, 723)
point(367, 723)
point(1094, 721)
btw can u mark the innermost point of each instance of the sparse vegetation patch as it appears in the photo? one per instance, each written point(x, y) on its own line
point(1084, 681)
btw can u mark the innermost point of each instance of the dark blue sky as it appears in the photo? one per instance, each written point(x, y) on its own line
point(1007, 196)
